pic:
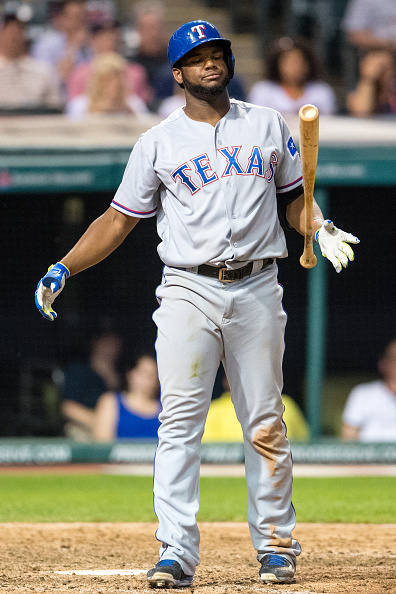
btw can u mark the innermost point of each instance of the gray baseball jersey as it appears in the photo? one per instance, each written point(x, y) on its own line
point(215, 190)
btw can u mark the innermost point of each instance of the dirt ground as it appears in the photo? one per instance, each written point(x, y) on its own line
point(336, 558)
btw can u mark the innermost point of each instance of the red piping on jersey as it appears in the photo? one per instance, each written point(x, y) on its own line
point(134, 211)
point(291, 184)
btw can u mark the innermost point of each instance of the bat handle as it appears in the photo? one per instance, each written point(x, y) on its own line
point(308, 258)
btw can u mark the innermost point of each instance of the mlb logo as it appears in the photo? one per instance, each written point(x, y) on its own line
point(292, 147)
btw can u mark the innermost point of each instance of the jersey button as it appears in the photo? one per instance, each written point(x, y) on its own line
point(229, 184)
point(235, 244)
point(220, 142)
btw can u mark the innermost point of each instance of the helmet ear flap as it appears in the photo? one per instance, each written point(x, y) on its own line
point(230, 61)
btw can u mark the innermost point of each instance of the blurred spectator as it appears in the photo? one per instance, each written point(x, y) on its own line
point(24, 81)
point(152, 45)
point(370, 410)
point(107, 37)
point(292, 80)
point(222, 424)
point(100, 11)
point(371, 24)
point(107, 90)
point(66, 44)
point(134, 412)
point(320, 22)
point(86, 381)
point(169, 104)
point(375, 92)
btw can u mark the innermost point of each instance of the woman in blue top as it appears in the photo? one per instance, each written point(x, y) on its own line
point(133, 413)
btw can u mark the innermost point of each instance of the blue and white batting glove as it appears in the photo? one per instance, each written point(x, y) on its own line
point(332, 242)
point(49, 288)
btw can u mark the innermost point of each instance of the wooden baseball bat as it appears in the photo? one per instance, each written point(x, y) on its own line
point(309, 144)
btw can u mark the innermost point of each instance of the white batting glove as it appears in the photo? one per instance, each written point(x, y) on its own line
point(332, 242)
point(49, 288)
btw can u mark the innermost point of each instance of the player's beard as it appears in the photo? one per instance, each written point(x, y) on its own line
point(209, 91)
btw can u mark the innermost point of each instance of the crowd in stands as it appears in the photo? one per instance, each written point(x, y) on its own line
point(82, 60)
point(103, 399)
point(99, 402)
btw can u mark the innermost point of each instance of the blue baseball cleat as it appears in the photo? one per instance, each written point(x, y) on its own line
point(277, 569)
point(168, 574)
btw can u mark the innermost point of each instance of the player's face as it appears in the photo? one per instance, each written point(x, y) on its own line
point(203, 71)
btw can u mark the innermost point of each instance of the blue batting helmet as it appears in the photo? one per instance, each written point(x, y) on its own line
point(196, 33)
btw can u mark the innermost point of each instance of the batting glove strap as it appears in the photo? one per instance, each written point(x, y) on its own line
point(49, 288)
point(334, 245)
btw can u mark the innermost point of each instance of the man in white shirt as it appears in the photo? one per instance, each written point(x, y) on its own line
point(370, 411)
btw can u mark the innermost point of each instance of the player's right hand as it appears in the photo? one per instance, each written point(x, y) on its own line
point(49, 288)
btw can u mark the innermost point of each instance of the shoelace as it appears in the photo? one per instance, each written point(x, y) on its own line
point(276, 560)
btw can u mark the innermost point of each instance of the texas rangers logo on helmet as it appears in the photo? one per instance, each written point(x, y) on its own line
point(199, 28)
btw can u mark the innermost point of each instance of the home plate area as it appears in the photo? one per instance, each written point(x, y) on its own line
point(103, 572)
point(106, 558)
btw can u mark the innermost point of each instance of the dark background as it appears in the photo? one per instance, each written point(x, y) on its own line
point(119, 292)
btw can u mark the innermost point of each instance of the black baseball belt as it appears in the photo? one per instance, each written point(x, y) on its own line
point(228, 276)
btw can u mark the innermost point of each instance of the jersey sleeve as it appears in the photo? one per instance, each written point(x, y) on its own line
point(138, 195)
point(288, 177)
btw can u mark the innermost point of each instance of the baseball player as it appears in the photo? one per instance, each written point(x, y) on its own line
point(219, 175)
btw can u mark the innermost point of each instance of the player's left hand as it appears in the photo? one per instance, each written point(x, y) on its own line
point(333, 243)
point(49, 288)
